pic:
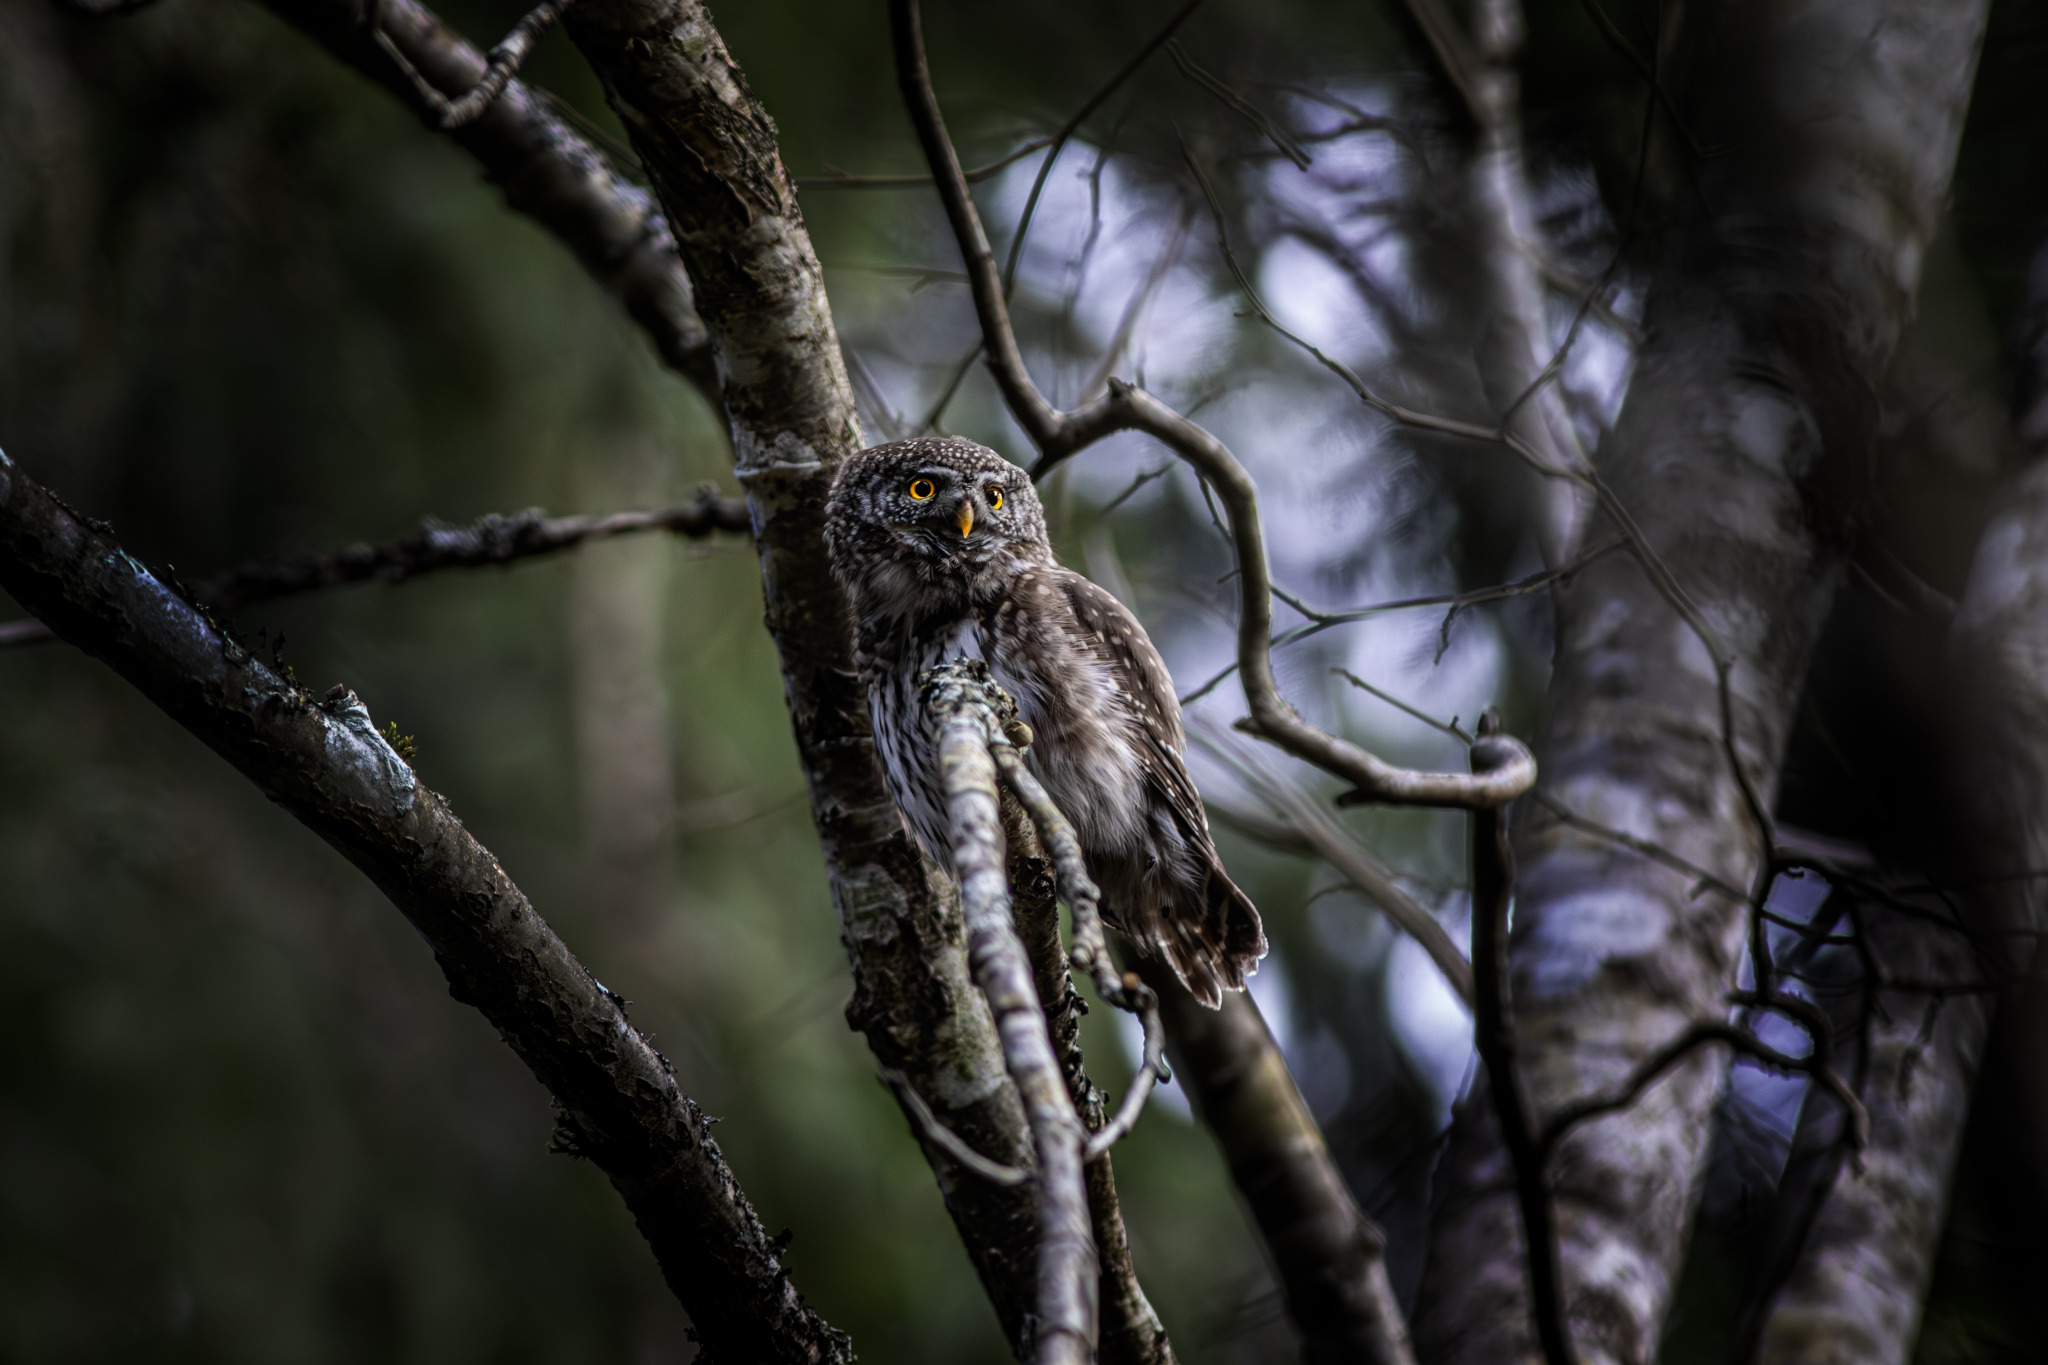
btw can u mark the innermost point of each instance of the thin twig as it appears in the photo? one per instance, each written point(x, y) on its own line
point(501, 65)
point(1456, 602)
point(1260, 121)
point(944, 1138)
point(842, 181)
point(1059, 139)
point(489, 540)
point(1308, 822)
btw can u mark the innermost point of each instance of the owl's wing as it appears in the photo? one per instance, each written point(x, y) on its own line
point(1211, 934)
point(1147, 688)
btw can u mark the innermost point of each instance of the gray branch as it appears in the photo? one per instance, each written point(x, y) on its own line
point(1059, 435)
point(324, 762)
point(961, 708)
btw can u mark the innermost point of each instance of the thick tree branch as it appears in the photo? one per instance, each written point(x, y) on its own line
point(325, 764)
point(1326, 1254)
point(547, 171)
point(711, 151)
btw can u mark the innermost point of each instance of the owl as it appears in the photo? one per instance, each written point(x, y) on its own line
point(940, 544)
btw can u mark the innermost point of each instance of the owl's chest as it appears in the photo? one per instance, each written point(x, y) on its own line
point(1082, 725)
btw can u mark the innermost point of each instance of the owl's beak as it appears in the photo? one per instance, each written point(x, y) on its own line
point(964, 514)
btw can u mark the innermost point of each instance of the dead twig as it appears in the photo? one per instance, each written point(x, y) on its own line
point(501, 64)
point(436, 546)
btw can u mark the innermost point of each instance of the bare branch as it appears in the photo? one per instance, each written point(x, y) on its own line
point(1058, 435)
point(325, 764)
point(945, 1139)
point(710, 151)
point(905, 182)
point(1493, 1034)
point(489, 540)
point(548, 172)
point(1308, 821)
point(501, 65)
point(961, 705)
point(1327, 1255)
point(1131, 1333)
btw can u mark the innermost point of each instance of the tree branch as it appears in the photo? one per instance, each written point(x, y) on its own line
point(1493, 1034)
point(1059, 435)
point(489, 540)
point(546, 170)
point(711, 152)
point(1327, 1255)
point(325, 764)
point(960, 705)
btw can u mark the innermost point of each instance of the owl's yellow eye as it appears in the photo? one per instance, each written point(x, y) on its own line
point(995, 499)
point(921, 489)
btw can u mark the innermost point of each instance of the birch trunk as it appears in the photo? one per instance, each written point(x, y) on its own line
point(1739, 451)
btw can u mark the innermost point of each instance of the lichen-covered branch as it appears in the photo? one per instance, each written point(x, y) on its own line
point(1739, 451)
point(1130, 1333)
point(548, 172)
point(324, 762)
point(960, 708)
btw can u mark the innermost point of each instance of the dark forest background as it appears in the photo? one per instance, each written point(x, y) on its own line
point(248, 307)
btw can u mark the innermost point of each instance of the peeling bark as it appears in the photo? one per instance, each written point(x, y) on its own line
point(1742, 451)
point(325, 763)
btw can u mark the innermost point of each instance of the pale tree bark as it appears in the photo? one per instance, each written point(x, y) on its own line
point(1856, 1291)
point(1738, 451)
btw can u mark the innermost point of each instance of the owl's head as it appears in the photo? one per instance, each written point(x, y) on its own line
point(934, 515)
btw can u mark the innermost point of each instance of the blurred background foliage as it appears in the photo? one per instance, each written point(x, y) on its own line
point(248, 307)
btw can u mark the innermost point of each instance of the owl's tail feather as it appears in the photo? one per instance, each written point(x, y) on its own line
point(1216, 942)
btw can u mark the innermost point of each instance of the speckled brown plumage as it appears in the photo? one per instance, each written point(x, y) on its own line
point(941, 546)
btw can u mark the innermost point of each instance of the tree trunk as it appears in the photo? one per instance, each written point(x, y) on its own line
point(1740, 452)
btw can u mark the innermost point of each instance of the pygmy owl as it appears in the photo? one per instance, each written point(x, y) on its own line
point(940, 544)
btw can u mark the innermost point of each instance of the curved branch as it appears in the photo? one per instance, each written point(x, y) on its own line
point(325, 763)
point(1058, 435)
